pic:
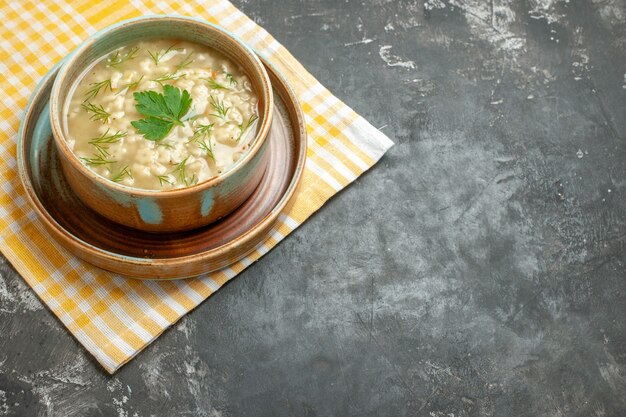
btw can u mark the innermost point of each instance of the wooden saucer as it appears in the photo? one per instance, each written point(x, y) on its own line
point(134, 253)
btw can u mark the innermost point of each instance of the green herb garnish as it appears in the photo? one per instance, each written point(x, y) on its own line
point(162, 111)
point(219, 107)
point(231, 80)
point(97, 112)
point(158, 56)
point(201, 136)
point(165, 145)
point(95, 89)
point(169, 77)
point(102, 142)
point(164, 178)
point(245, 126)
point(125, 172)
point(117, 58)
point(188, 60)
point(214, 84)
point(206, 146)
point(181, 170)
point(98, 160)
point(130, 86)
point(202, 131)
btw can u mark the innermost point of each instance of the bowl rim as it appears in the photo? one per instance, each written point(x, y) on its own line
point(56, 111)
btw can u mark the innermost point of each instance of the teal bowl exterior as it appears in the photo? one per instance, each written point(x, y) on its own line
point(170, 210)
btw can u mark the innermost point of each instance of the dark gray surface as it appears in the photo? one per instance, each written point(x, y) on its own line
point(477, 270)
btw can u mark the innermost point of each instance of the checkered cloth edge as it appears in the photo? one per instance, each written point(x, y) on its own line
point(112, 316)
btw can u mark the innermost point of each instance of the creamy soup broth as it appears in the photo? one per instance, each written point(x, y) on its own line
point(113, 135)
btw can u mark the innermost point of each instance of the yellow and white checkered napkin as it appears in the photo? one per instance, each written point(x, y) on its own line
point(114, 317)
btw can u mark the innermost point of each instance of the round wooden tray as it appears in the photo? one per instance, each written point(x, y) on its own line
point(138, 254)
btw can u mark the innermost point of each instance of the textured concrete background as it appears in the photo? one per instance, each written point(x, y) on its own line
point(477, 270)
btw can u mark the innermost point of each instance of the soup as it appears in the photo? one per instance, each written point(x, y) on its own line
point(162, 114)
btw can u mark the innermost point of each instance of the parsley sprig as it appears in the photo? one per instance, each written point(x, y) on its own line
point(162, 111)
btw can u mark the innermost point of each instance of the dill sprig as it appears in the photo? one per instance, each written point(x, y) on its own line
point(243, 127)
point(117, 58)
point(187, 60)
point(181, 171)
point(202, 131)
point(165, 145)
point(130, 86)
point(98, 160)
point(169, 77)
point(201, 137)
point(214, 84)
point(219, 107)
point(207, 146)
point(158, 56)
point(95, 89)
point(98, 113)
point(231, 79)
point(102, 142)
point(125, 172)
point(164, 179)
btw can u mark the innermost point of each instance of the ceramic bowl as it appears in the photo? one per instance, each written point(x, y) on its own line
point(168, 210)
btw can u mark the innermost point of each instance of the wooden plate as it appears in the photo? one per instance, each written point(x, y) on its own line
point(131, 252)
